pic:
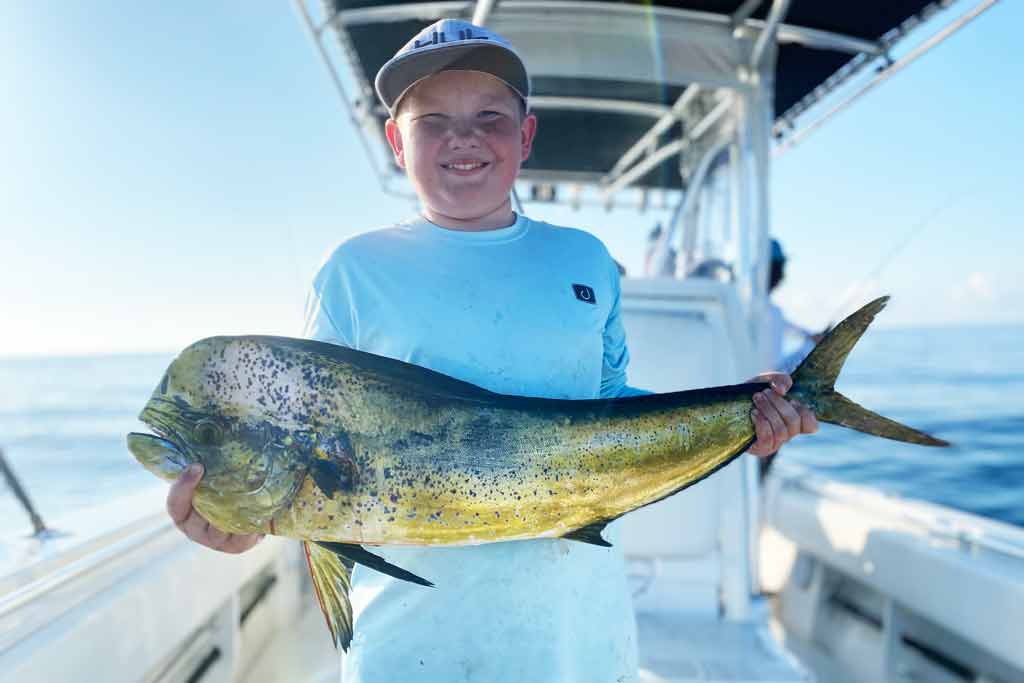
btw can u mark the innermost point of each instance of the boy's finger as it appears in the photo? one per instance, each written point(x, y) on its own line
point(763, 431)
point(215, 538)
point(781, 383)
point(771, 414)
point(790, 417)
point(196, 528)
point(239, 543)
point(179, 497)
point(808, 420)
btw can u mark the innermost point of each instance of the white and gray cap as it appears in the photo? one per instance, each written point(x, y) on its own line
point(450, 45)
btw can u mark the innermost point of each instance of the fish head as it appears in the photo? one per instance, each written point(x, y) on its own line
point(252, 466)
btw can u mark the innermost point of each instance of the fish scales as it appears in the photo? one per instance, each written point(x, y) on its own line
point(473, 474)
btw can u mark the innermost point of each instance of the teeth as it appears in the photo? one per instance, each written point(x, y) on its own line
point(466, 167)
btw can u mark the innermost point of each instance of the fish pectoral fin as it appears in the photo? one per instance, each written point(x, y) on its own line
point(359, 554)
point(590, 534)
point(331, 580)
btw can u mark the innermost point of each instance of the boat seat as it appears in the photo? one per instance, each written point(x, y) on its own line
point(690, 550)
point(675, 648)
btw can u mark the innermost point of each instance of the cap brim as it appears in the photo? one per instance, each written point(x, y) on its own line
point(397, 76)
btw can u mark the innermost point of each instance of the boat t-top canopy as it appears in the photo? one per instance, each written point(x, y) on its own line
point(626, 91)
point(667, 105)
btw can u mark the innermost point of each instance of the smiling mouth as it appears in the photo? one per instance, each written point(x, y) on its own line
point(465, 166)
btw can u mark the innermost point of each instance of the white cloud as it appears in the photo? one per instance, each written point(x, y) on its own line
point(979, 287)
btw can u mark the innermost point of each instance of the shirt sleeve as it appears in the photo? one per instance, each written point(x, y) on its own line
point(616, 354)
point(329, 316)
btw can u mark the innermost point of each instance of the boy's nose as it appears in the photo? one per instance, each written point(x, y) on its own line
point(463, 132)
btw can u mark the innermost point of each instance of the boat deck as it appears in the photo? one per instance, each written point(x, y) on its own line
point(673, 649)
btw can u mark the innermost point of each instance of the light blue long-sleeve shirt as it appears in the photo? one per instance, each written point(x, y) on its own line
point(530, 310)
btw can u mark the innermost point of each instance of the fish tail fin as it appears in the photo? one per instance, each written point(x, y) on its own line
point(331, 581)
point(815, 378)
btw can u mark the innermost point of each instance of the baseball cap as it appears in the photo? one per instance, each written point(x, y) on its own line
point(450, 45)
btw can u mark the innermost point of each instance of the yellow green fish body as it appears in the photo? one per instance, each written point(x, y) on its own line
point(479, 469)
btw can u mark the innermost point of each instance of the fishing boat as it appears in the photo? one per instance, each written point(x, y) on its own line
point(676, 106)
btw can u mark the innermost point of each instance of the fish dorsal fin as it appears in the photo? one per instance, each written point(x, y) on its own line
point(359, 554)
point(590, 534)
point(389, 370)
point(331, 581)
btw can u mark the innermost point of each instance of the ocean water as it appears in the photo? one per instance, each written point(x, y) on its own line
point(63, 423)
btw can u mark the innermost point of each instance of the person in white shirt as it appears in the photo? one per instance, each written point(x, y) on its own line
point(515, 305)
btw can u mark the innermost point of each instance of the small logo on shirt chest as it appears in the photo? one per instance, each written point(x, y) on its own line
point(584, 294)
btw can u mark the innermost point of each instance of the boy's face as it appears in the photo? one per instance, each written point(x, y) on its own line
point(461, 138)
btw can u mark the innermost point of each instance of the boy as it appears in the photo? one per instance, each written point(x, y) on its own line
point(471, 289)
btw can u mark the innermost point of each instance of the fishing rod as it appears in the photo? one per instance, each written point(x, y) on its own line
point(22, 495)
point(891, 255)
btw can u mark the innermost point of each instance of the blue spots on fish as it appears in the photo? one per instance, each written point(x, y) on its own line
point(414, 440)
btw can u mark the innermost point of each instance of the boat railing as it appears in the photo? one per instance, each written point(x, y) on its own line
point(34, 589)
point(189, 613)
point(969, 532)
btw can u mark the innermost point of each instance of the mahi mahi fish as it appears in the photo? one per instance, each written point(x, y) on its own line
point(342, 448)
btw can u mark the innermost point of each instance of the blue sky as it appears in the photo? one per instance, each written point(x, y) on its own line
point(169, 173)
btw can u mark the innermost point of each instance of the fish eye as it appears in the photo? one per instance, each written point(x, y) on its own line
point(207, 433)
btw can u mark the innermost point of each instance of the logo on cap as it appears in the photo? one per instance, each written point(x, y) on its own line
point(437, 38)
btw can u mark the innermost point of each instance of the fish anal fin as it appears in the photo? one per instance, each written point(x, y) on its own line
point(359, 554)
point(331, 581)
point(590, 534)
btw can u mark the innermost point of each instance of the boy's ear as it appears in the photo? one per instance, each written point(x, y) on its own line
point(394, 135)
point(528, 131)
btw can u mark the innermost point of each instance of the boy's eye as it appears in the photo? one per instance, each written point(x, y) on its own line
point(489, 114)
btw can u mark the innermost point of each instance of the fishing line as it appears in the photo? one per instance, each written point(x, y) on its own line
point(888, 258)
point(299, 280)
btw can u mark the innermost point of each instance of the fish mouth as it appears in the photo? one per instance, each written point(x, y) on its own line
point(160, 456)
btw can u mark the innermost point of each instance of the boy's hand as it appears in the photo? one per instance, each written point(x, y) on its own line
point(776, 419)
point(193, 525)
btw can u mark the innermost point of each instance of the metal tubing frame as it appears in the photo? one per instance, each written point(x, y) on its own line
point(740, 16)
point(768, 33)
point(669, 150)
point(593, 104)
point(482, 11)
point(314, 35)
point(686, 205)
point(664, 123)
point(749, 28)
point(888, 72)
